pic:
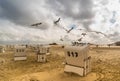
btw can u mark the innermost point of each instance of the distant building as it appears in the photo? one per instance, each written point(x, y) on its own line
point(2, 49)
point(77, 59)
point(35, 48)
point(10, 47)
point(20, 53)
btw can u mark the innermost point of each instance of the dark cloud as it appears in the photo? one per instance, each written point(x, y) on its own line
point(114, 34)
point(16, 11)
point(79, 10)
point(86, 24)
point(22, 12)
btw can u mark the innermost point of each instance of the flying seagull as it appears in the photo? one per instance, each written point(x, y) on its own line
point(55, 22)
point(61, 39)
point(84, 34)
point(80, 39)
point(97, 32)
point(80, 29)
point(101, 33)
point(36, 24)
point(68, 31)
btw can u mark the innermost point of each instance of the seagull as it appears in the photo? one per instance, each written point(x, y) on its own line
point(83, 34)
point(97, 32)
point(80, 29)
point(61, 39)
point(55, 22)
point(36, 24)
point(80, 39)
point(68, 31)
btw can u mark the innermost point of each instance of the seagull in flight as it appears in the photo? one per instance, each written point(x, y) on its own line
point(68, 31)
point(84, 34)
point(97, 32)
point(61, 39)
point(80, 39)
point(55, 22)
point(36, 24)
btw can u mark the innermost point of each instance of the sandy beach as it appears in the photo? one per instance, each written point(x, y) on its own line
point(105, 66)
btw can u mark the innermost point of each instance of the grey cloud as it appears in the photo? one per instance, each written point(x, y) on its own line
point(86, 24)
point(21, 12)
point(67, 8)
point(104, 2)
point(19, 36)
point(114, 34)
point(15, 11)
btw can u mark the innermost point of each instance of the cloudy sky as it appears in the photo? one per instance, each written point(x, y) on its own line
point(16, 16)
